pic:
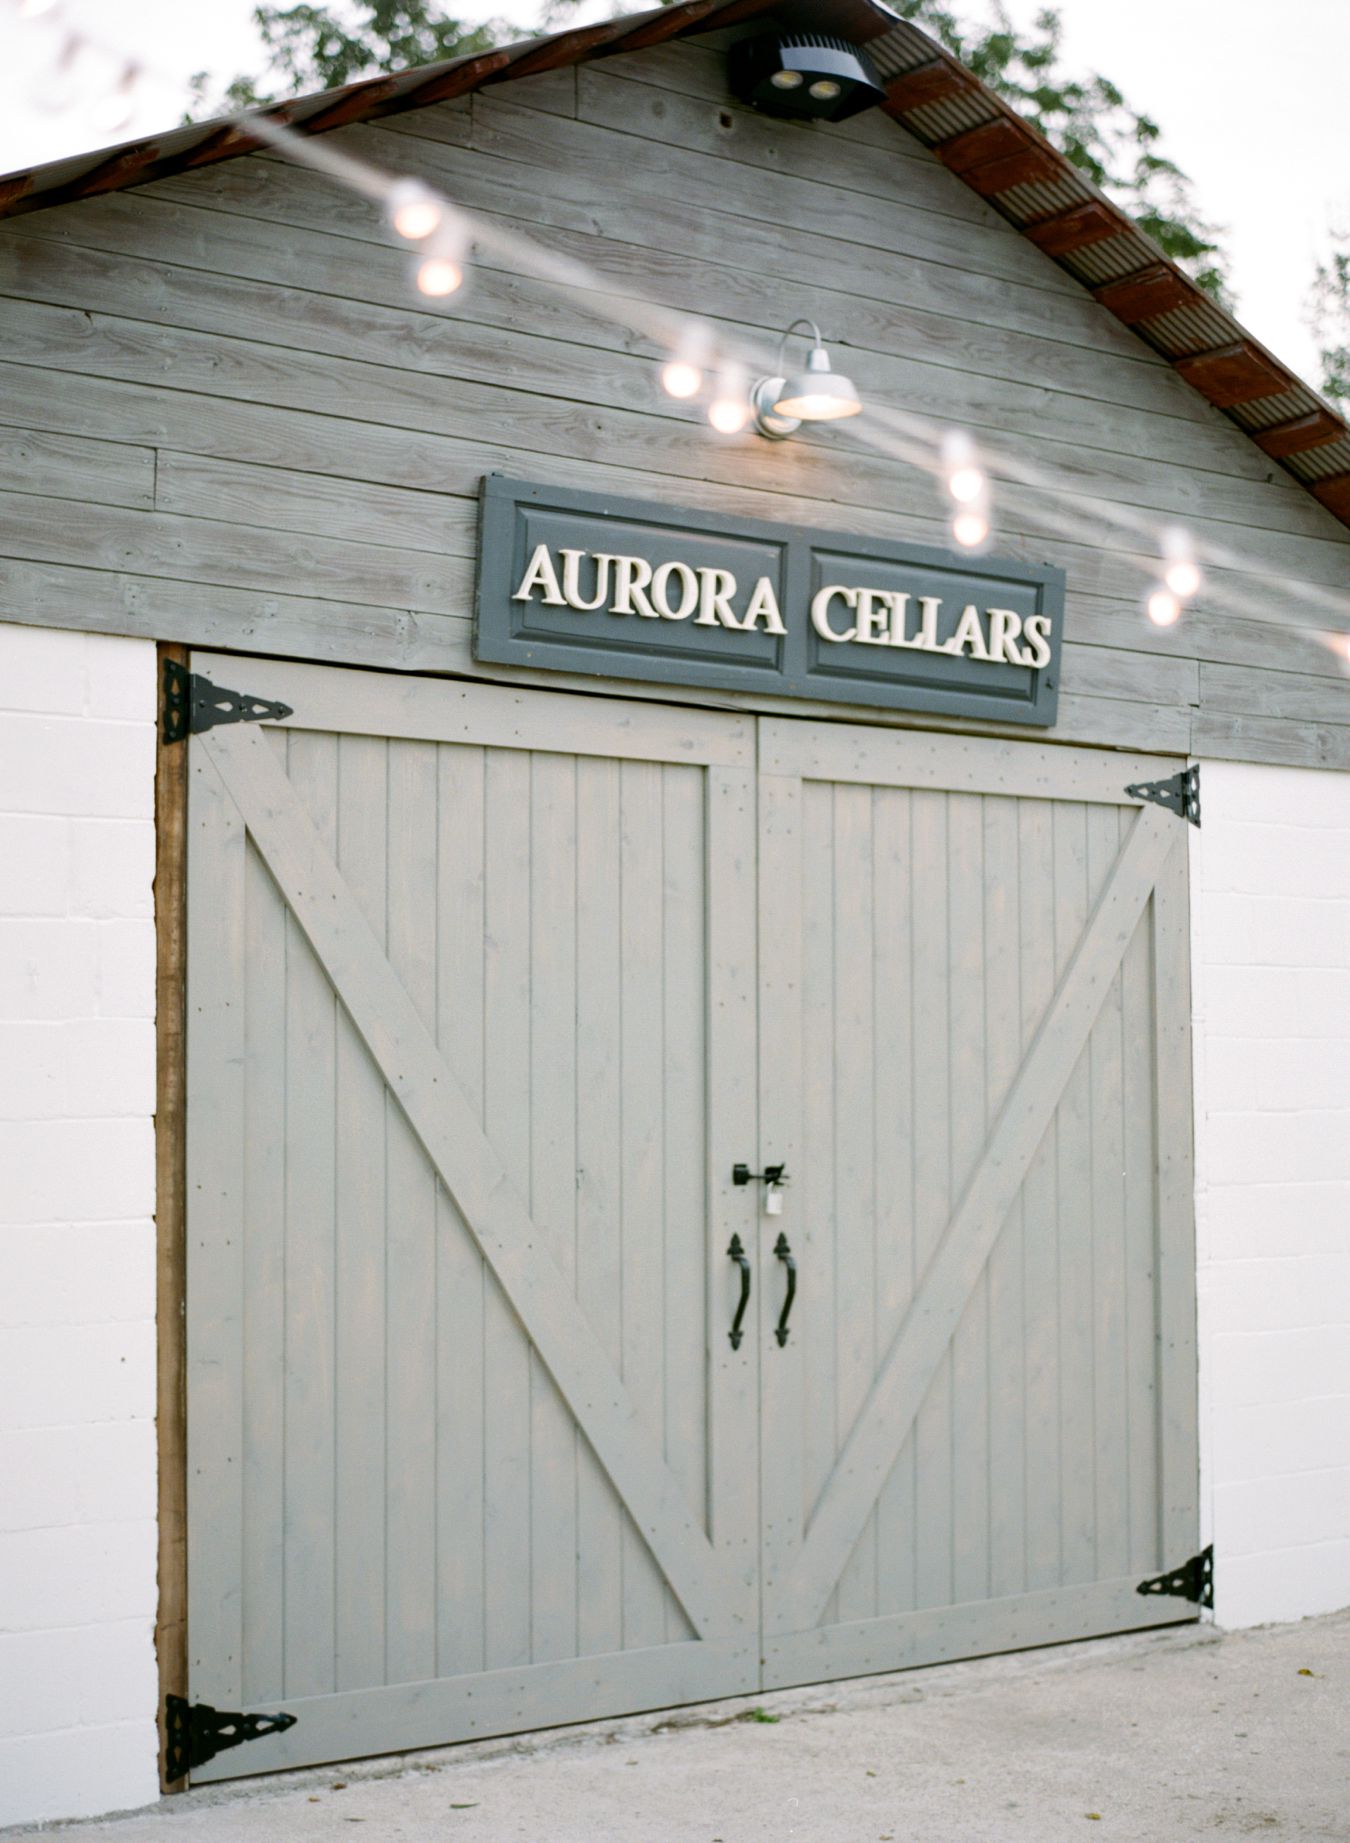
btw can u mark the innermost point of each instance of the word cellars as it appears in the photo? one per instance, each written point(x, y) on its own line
point(595, 581)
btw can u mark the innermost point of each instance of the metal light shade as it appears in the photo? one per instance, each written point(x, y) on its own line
point(805, 76)
point(816, 394)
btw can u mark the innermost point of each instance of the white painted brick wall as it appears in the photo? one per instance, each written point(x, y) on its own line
point(1271, 945)
point(77, 1252)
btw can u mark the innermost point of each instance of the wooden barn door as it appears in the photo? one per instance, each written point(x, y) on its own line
point(980, 1431)
point(472, 1011)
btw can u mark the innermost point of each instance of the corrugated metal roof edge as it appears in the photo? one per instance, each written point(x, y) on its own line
point(1002, 158)
point(1007, 162)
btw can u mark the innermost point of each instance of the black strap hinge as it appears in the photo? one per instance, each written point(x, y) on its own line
point(1180, 794)
point(1193, 1580)
point(196, 1732)
point(192, 704)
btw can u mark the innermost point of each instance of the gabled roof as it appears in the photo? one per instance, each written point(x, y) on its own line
point(940, 102)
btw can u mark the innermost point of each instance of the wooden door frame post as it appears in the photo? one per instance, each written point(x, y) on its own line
point(171, 762)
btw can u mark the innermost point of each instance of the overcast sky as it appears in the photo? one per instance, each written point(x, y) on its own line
point(1252, 100)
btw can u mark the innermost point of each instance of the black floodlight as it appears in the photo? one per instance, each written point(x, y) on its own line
point(805, 76)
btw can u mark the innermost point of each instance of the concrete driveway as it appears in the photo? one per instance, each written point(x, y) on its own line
point(1159, 1738)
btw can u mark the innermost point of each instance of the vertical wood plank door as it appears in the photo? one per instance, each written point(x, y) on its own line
point(980, 1432)
point(471, 1055)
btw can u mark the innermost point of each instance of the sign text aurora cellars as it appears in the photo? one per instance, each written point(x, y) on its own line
point(613, 583)
point(585, 583)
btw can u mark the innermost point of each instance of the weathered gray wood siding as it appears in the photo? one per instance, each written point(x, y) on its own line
point(227, 421)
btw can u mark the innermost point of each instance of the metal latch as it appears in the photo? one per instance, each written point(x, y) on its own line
point(196, 1732)
point(1193, 1580)
point(771, 1174)
point(193, 704)
point(1180, 794)
point(772, 1177)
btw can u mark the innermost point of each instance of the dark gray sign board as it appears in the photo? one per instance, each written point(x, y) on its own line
point(585, 583)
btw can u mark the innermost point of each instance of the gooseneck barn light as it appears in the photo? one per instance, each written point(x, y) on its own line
point(804, 76)
point(817, 394)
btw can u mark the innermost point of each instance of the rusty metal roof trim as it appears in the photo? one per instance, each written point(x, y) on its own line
point(937, 100)
point(1088, 236)
point(199, 143)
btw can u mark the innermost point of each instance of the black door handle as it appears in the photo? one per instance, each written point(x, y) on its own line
point(737, 1254)
point(784, 1253)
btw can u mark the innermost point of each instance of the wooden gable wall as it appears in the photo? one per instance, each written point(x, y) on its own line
point(227, 422)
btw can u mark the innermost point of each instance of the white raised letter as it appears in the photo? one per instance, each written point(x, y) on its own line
point(872, 629)
point(718, 587)
point(540, 575)
point(899, 611)
point(661, 584)
point(631, 576)
point(572, 581)
point(1004, 627)
point(969, 633)
point(1035, 633)
point(764, 602)
point(926, 638)
point(820, 611)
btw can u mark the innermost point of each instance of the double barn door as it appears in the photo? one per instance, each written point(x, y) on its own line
point(489, 993)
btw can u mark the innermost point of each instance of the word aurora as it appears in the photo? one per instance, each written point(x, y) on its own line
point(708, 598)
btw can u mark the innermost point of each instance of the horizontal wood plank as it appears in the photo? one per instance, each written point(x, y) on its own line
point(318, 505)
point(728, 130)
point(1296, 697)
point(490, 716)
point(75, 467)
point(432, 1714)
point(1054, 1615)
point(852, 753)
point(1270, 739)
point(203, 550)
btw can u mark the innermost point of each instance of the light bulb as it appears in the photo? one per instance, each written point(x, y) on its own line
point(1164, 608)
point(729, 410)
point(1181, 572)
point(966, 485)
point(413, 209)
point(965, 479)
point(1182, 578)
point(682, 374)
point(34, 9)
point(825, 89)
point(438, 267)
point(786, 79)
point(680, 378)
point(437, 275)
point(970, 529)
point(729, 415)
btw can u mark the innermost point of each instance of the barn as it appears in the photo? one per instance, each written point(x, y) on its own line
point(629, 1076)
